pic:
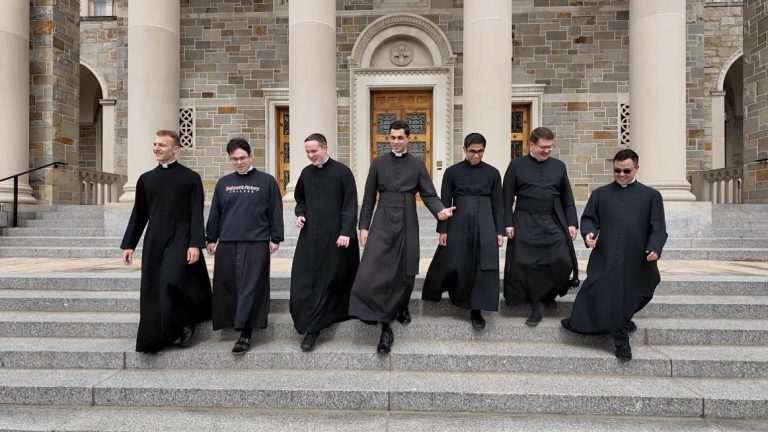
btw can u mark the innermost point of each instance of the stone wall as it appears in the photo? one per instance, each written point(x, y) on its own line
point(54, 99)
point(755, 188)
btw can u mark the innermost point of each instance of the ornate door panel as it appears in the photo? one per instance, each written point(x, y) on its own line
point(413, 106)
point(283, 168)
point(521, 130)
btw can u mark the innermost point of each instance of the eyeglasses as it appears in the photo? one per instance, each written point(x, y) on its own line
point(476, 152)
point(545, 148)
point(239, 159)
point(625, 170)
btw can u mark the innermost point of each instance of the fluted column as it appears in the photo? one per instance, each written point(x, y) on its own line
point(487, 79)
point(311, 78)
point(14, 110)
point(657, 36)
point(153, 81)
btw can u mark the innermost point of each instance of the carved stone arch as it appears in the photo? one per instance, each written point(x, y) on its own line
point(410, 25)
point(727, 66)
point(99, 78)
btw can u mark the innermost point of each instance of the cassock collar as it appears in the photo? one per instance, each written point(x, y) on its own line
point(632, 183)
point(398, 155)
point(533, 158)
point(247, 172)
point(169, 164)
point(469, 164)
point(322, 165)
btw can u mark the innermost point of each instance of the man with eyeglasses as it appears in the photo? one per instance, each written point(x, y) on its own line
point(245, 226)
point(466, 263)
point(540, 255)
point(175, 288)
point(624, 223)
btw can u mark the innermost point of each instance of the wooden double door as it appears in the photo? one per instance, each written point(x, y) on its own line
point(412, 106)
point(520, 130)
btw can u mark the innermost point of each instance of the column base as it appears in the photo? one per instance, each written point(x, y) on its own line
point(289, 201)
point(25, 194)
point(673, 190)
point(129, 193)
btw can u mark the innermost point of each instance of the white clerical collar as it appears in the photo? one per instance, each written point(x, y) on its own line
point(537, 159)
point(399, 154)
point(322, 164)
point(166, 165)
point(625, 185)
point(249, 170)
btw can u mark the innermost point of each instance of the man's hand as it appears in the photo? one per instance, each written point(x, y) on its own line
point(443, 240)
point(300, 221)
point(363, 237)
point(445, 213)
point(652, 256)
point(211, 248)
point(128, 256)
point(273, 247)
point(342, 241)
point(500, 239)
point(572, 232)
point(590, 240)
point(193, 254)
point(511, 233)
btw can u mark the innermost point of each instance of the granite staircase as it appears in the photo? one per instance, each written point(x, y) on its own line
point(66, 351)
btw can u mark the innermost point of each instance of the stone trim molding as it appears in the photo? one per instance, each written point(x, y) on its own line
point(402, 24)
point(727, 66)
point(273, 98)
point(534, 95)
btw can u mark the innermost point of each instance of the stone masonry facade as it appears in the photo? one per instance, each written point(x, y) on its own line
point(232, 51)
point(756, 101)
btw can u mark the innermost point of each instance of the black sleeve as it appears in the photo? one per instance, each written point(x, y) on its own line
point(509, 191)
point(298, 195)
point(446, 192)
point(139, 218)
point(657, 224)
point(427, 191)
point(213, 228)
point(276, 233)
point(349, 205)
point(590, 219)
point(369, 197)
point(566, 196)
point(497, 203)
point(196, 206)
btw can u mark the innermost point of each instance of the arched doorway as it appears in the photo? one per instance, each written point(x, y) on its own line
point(91, 121)
point(734, 114)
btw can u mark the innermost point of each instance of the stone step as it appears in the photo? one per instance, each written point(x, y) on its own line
point(54, 232)
point(655, 331)
point(57, 223)
point(384, 390)
point(738, 232)
point(128, 419)
point(67, 212)
point(407, 355)
point(36, 242)
point(735, 285)
point(662, 306)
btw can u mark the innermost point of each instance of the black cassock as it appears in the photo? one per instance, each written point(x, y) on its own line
point(390, 261)
point(322, 273)
point(541, 257)
point(169, 202)
point(620, 281)
point(468, 266)
point(246, 214)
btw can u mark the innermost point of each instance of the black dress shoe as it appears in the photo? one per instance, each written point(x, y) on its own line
point(186, 336)
point(624, 353)
point(385, 342)
point(535, 318)
point(478, 322)
point(631, 327)
point(309, 341)
point(550, 304)
point(242, 346)
point(404, 316)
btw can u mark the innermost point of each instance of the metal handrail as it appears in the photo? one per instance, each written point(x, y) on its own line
point(15, 178)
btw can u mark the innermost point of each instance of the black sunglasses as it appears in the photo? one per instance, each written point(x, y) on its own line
point(625, 170)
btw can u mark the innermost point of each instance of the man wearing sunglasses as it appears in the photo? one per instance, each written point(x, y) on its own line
point(540, 255)
point(624, 223)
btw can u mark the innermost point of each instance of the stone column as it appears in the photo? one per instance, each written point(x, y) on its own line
point(153, 81)
point(657, 36)
point(487, 78)
point(755, 184)
point(717, 99)
point(14, 111)
point(108, 134)
point(311, 78)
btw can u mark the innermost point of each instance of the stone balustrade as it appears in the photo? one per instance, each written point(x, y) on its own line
point(98, 187)
point(719, 186)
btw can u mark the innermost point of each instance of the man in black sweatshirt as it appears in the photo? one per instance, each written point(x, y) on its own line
point(244, 227)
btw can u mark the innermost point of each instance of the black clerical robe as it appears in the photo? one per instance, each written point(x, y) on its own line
point(541, 257)
point(246, 214)
point(629, 222)
point(322, 273)
point(468, 266)
point(169, 202)
point(390, 260)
